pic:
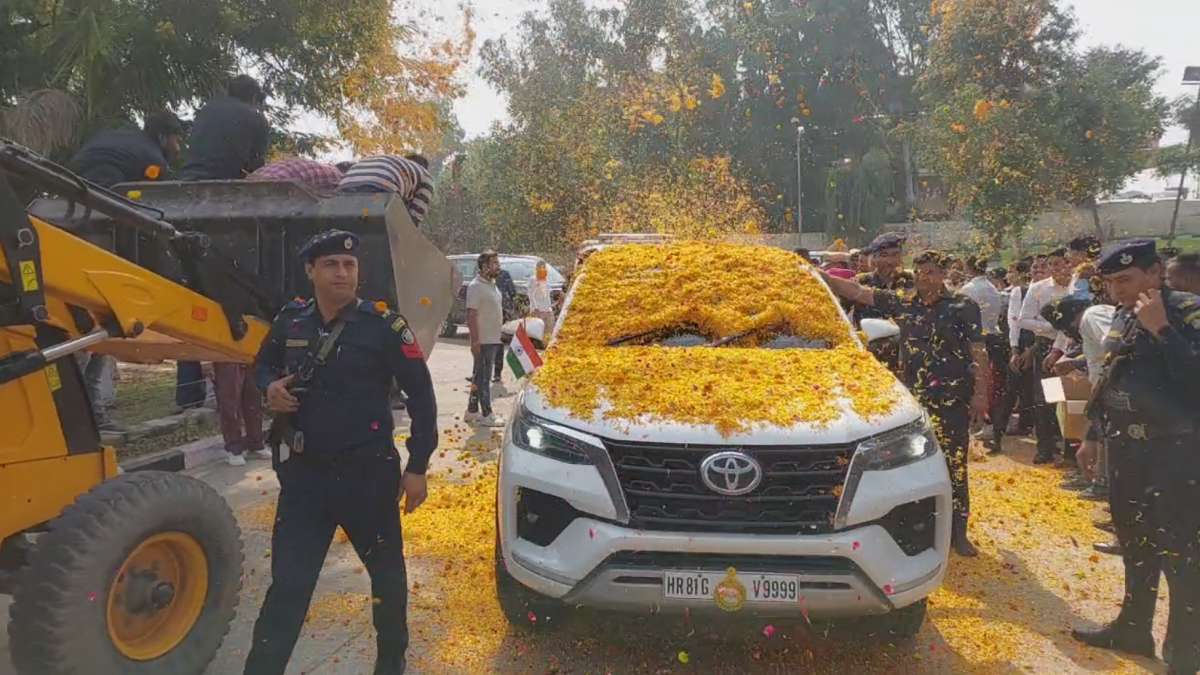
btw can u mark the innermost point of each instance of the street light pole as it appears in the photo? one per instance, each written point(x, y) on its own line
point(799, 181)
point(1191, 75)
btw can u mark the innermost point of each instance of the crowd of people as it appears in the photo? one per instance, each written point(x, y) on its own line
point(228, 140)
point(977, 343)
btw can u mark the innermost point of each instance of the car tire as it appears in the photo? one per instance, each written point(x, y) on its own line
point(449, 329)
point(898, 624)
point(524, 608)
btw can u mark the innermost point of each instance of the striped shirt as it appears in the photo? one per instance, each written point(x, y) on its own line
point(392, 173)
point(315, 174)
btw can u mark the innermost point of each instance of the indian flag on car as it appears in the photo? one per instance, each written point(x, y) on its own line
point(522, 357)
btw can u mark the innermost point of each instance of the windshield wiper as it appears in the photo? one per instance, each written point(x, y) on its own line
point(741, 334)
point(653, 332)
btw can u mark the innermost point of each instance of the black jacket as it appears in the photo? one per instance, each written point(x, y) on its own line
point(228, 141)
point(119, 156)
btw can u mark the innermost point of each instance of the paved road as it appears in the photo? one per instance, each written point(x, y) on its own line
point(251, 492)
point(1004, 613)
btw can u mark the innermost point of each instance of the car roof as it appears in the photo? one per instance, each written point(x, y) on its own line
point(502, 256)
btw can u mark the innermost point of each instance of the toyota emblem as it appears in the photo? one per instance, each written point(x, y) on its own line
point(731, 472)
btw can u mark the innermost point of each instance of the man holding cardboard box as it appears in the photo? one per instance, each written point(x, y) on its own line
point(1145, 409)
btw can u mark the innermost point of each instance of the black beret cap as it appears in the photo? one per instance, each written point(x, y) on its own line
point(329, 242)
point(1126, 254)
point(885, 241)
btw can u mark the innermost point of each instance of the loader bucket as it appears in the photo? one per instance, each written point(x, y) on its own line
point(257, 229)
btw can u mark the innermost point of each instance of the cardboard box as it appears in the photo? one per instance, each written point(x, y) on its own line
point(1071, 419)
point(1077, 387)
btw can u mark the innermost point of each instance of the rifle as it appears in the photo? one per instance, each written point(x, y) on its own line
point(283, 437)
point(1124, 351)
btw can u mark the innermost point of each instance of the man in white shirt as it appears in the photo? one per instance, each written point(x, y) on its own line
point(1039, 295)
point(984, 293)
point(991, 313)
point(485, 318)
point(1019, 372)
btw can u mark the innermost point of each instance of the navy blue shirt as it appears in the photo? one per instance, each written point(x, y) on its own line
point(348, 402)
point(936, 359)
point(119, 156)
point(228, 141)
point(1159, 381)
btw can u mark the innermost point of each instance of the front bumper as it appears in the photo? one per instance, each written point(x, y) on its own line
point(598, 561)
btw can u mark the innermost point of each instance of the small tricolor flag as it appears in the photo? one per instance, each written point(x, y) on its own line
point(522, 357)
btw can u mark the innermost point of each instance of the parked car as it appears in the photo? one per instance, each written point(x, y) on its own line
point(849, 519)
point(521, 267)
point(1127, 196)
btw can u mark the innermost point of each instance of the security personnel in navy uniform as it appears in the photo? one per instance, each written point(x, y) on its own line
point(1146, 408)
point(346, 470)
point(885, 255)
point(943, 360)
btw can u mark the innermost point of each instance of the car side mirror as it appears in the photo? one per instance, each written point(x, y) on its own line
point(878, 329)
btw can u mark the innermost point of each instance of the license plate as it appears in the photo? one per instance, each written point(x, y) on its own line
point(730, 590)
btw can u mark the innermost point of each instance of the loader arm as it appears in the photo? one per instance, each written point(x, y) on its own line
point(61, 285)
point(61, 294)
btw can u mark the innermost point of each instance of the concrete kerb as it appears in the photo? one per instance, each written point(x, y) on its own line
point(178, 458)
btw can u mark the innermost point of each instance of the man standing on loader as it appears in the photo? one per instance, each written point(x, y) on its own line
point(330, 364)
point(130, 155)
point(122, 156)
point(230, 135)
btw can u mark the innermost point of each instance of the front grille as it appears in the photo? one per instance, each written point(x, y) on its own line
point(719, 562)
point(798, 493)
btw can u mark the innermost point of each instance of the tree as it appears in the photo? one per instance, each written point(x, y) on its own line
point(1173, 160)
point(991, 66)
point(1106, 117)
point(118, 61)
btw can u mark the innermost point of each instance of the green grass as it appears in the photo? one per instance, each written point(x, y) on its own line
point(143, 392)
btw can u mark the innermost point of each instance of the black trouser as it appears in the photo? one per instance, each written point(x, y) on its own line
point(952, 423)
point(999, 354)
point(191, 388)
point(1018, 391)
point(1045, 414)
point(314, 499)
point(1154, 495)
point(481, 384)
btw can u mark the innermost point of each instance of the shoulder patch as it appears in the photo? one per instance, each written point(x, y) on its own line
point(1193, 319)
point(401, 327)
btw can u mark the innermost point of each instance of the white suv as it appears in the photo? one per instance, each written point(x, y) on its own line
point(842, 520)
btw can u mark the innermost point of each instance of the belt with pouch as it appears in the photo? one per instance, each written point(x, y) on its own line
point(1142, 431)
point(367, 451)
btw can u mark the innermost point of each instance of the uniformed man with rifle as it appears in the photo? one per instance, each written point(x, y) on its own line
point(327, 367)
point(1145, 407)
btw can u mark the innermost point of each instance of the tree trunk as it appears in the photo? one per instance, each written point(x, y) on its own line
point(1095, 208)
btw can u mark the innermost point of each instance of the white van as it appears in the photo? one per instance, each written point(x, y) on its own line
point(849, 519)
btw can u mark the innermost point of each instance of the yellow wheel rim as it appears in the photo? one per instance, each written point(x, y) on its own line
point(157, 595)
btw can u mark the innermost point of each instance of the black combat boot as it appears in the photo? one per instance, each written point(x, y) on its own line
point(395, 665)
point(1118, 638)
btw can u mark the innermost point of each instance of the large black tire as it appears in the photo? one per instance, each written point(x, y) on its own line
point(523, 607)
point(449, 329)
point(58, 620)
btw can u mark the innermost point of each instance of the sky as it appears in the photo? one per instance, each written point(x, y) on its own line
point(1166, 28)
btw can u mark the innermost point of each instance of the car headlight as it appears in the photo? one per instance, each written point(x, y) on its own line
point(911, 443)
point(530, 432)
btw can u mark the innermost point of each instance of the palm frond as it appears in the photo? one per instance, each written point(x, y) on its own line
point(43, 120)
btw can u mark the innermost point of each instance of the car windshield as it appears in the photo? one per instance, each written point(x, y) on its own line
point(764, 337)
point(522, 270)
point(466, 267)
